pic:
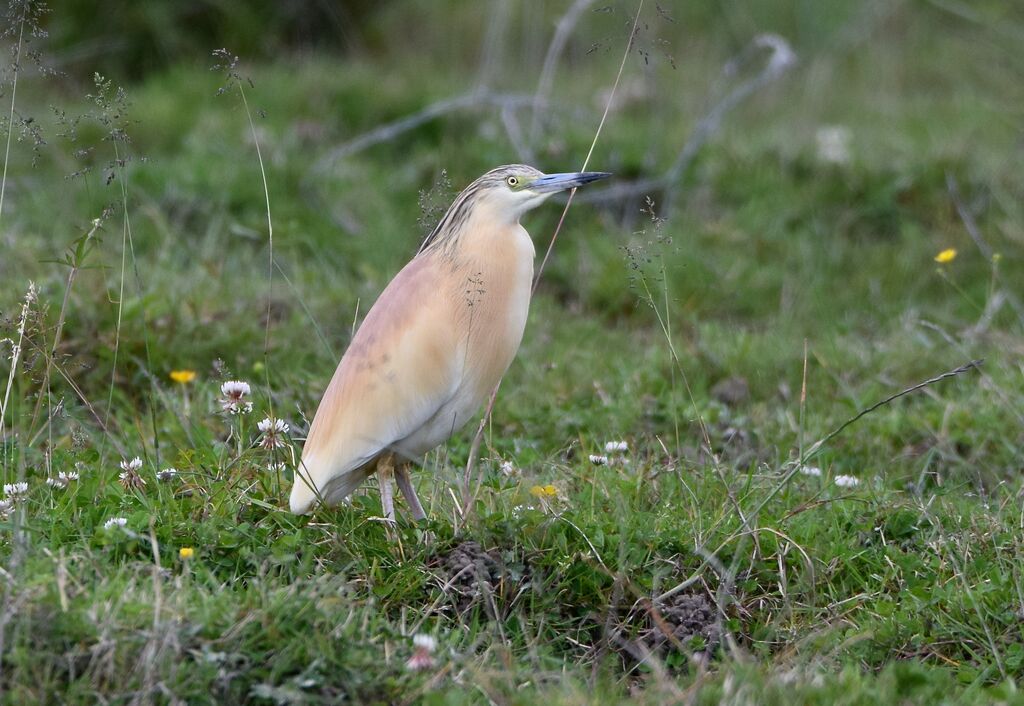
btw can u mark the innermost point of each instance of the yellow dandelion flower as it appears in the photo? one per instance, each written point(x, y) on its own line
point(186, 553)
point(183, 377)
point(544, 491)
point(947, 255)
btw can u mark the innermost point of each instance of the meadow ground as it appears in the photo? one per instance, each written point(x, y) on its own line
point(720, 327)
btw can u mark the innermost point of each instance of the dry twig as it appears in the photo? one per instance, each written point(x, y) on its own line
point(477, 97)
point(782, 59)
point(563, 29)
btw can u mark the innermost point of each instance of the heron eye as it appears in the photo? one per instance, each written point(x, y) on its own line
point(512, 181)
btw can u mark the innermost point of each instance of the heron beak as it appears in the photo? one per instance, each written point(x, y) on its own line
point(550, 183)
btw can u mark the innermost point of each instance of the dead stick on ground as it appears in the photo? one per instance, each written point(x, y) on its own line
point(972, 365)
point(695, 576)
point(818, 445)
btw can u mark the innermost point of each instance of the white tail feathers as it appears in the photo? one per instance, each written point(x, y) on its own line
point(314, 482)
point(302, 497)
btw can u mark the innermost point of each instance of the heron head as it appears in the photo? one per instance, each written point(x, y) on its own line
point(502, 195)
point(517, 188)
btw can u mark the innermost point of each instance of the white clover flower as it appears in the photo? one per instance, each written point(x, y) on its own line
point(509, 469)
point(811, 471)
point(62, 479)
point(234, 401)
point(235, 388)
point(424, 642)
point(616, 447)
point(847, 481)
point(5, 508)
point(833, 142)
point(134, 465)
point(277, 425)
point(279, 467)
point(129, 476)
point(15, 490)
point(115, 522)
point(423, 653)
point(275, 433)
point(167, 474)
point(598, 460)
point(131, 480)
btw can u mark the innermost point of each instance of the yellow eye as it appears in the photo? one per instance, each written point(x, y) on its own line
point(512, 181)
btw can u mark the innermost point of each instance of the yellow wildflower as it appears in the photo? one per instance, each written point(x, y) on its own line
point(947, 255)
point(544, 491)
point(183, 377)
point(186, 553)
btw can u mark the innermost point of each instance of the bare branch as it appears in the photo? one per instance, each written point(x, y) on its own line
point(967, 217)
point(515, 134)
point(494, 43)
point(782, 59)
point(563, 29)
point(389, 131)
point(986, 251)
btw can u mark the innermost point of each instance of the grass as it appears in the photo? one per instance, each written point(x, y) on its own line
point(907, 587)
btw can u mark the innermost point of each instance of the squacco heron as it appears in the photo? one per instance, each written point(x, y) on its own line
point(433, 346)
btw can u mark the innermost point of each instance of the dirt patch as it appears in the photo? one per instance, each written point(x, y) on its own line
point(684, 616)
point(732, 391)
point(732, 440)
point(470, 575)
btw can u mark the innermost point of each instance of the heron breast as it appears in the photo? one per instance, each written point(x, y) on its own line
point(497, 310)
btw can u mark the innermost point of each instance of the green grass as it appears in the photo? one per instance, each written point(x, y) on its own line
point(906, 588)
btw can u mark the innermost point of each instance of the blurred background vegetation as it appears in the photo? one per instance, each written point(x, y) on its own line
point(767, 230)
point(809, 221)
point(813, 213)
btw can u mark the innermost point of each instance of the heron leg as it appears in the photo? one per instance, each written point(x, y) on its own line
point(385, 471)
point(405, 485)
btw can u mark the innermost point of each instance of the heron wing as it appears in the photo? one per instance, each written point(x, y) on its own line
point(400, 369)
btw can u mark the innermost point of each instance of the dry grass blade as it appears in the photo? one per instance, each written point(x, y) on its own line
point(475, 446)
point(16, 350)
point(16, 64)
